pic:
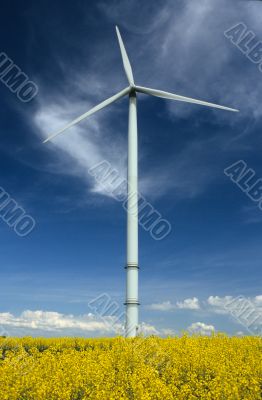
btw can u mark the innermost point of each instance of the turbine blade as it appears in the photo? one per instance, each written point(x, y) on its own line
point(171, 96)
point(90, 112)
point(126, 62)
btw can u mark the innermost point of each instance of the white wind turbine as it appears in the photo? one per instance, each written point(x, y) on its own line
point(132, 267)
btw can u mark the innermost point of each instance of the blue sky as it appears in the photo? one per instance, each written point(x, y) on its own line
point(76, 251)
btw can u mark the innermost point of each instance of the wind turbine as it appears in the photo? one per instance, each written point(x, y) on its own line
point(132, 303)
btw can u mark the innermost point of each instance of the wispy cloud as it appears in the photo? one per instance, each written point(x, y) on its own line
point(174, 37)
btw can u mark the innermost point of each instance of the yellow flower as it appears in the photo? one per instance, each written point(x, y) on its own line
point(206, 368)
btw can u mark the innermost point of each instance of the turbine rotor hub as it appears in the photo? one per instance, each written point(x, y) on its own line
point(132, 89)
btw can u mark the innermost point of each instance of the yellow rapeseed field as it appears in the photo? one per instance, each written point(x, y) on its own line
point(190, 368)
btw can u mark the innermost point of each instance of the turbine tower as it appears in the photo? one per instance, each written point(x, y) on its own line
point(132, 302)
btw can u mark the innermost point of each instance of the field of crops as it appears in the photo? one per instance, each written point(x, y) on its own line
point(142, 368)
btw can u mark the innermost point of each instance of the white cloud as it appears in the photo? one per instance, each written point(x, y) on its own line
point(201, 328)
point(48, 323)
point(147, 329)
point(258, 299)
point(187, 304)
point(168, 332)
point(213, 304)
point(240, 333)
point(165, 306)
point(54, 321)
point(84, 145)
point(219, 304)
